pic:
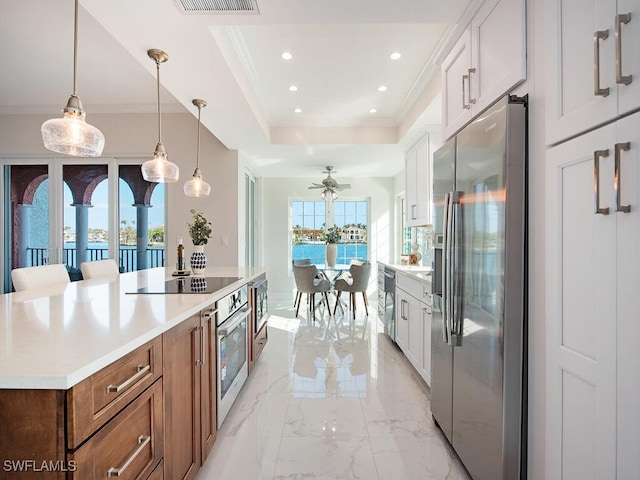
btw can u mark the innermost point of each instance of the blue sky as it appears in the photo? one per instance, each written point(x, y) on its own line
point(98, 213)
point(311, 214)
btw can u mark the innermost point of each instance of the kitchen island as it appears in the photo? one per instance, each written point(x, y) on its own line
point(95, 377)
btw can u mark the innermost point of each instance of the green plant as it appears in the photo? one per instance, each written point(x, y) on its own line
point(200, 229)
point(332, 235)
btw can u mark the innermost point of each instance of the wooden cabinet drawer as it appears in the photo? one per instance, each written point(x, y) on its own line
point(97, 399)
point(259, 342)
point(130, 446)
point(158, 473)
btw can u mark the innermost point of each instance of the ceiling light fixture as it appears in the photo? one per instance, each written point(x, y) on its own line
point(293, 88)
point(330, 187)
point(395, 55)
point(297, 110)
point(373, 110)
point(286, 56)
point(196, 187)
point(71, 134)
point(382, 88)
point(159, 169)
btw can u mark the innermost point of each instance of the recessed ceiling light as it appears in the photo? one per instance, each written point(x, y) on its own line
point(293, 88)
point(298, 110)
point(382, 88)
point(286, 56)
point(395, 56)
point(373, 110)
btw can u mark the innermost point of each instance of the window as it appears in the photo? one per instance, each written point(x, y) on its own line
point(60, 211)
point(309, 219)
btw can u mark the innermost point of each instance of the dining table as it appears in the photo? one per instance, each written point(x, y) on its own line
point(333, 273)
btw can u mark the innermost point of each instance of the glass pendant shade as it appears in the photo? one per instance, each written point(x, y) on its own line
point(159, 169)
point(71, 134)
point(197, 187)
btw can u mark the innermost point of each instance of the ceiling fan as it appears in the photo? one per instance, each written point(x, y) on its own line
point(329, 185)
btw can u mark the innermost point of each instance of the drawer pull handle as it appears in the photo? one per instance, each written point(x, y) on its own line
point(116, 472)
point(140, 372)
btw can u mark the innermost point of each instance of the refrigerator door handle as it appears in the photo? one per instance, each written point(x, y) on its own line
point(455, 275)
point(445, 272)
point(449, 268)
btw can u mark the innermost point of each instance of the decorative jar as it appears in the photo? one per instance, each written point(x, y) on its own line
point(198, 260)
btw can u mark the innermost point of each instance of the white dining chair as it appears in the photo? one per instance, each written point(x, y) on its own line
point(29, 278)
point(106, 269)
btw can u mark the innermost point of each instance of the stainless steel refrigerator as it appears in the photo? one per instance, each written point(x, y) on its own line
point(478, 338)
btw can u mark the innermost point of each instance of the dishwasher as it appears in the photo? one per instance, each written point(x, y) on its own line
point(386, 299)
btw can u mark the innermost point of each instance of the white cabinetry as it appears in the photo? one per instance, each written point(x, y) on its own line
point(413, 323)
point(488, 60)
point(593, 69)
point(593, 274)
point(418, 184)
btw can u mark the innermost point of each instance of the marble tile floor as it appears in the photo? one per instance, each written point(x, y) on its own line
point(331, 399)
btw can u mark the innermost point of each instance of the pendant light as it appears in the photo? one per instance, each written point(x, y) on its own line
point(196, 187)
point(71, 134)
point(159, 169)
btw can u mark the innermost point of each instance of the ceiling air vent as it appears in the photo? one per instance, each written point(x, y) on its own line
point(211, 7)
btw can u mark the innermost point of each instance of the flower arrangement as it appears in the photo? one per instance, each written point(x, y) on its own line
point(200, 229)
point(332, 235)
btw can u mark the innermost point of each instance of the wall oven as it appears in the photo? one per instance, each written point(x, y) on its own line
point(258, 301)
point(232, 321)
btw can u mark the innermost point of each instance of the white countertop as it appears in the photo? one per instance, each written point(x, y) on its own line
point(54, 338)
point(418, 271)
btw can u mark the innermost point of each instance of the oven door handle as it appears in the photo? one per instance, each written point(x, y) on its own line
point(232, 322)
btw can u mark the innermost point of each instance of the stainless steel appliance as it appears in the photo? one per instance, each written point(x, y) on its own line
point(233, 350)
point(478, 340)
point(386, 299)
point(258, 301)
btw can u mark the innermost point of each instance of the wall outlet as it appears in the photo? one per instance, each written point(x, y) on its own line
point(225, 240)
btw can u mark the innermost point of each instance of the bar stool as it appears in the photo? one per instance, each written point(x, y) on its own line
point(29, 278)
point(106, 269)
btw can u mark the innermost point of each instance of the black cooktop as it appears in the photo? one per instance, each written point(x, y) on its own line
point(190, 285)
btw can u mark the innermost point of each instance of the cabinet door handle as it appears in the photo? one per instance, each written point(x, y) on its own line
point(210, 313)
point(413, 211)
point(140, 372)
point(471, 100)
point(117, 472)
point(596, 182)
point(616, 176)
point(203, 345)
point(620, 19)
point(465, 105)
point(599, 35)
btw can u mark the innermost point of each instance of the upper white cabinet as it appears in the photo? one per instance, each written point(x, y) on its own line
point(593, 66)
point(418, 184)
point(488, 60)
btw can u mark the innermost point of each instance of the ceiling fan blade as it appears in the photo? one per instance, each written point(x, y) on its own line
point(342, 186)
point(317, 186)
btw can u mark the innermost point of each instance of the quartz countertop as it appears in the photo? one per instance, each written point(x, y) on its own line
point(418, 271)
point(55, 337)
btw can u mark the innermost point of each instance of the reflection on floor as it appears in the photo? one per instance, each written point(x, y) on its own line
point(330, 399)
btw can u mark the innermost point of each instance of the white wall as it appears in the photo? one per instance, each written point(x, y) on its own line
point(135, 136)
point(276, 194)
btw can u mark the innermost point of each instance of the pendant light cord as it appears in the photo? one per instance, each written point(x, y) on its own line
point(198, 149)
point(75, 52)
point(158, 85)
